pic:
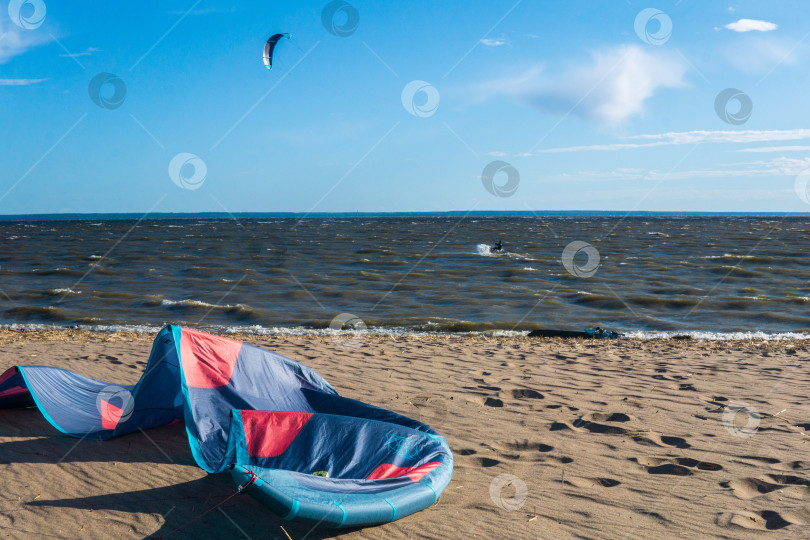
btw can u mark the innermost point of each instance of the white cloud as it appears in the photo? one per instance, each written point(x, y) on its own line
point(742, 136)
point(797, 148)
point(494, 42)
point(692, 137)
point(760, 54)
point(770, 168)
point(20, 82)
point(88, 52)
point(748, 25)
point(609, 89)
point(15, 41)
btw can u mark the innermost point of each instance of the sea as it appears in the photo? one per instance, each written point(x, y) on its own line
point(647, 276)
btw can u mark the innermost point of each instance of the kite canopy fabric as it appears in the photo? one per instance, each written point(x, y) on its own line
point(270, 46)
point(282, 431)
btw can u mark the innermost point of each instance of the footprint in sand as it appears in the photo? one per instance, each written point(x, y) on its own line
point(596, 427)
point(526, 393)
point(593, 427)
point(493, 402)
point(586, 483)
point(749, 488)
point(765, 520)
point(592, 423)
point(559, 426)
point(487, 462)
point(607, 417)
point(525, 445)
point(695, 464)
point(798, 465)
point(671, 469)
point(654, 439)
point(522, 450)
point(681, 467)
point(527, 450)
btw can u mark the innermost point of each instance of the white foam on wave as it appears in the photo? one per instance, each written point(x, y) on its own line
point(728, 256)
point(102, 328)
point(259, 330)
point(719, 336)
point(165, 302)
point(58, 292)
point(483, 249)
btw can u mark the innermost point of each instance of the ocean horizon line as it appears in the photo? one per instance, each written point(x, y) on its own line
point(78, 216)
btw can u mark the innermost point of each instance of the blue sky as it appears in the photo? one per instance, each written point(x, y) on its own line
point(592, 114)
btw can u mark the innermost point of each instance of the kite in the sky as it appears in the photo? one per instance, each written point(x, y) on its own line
point(270, 46)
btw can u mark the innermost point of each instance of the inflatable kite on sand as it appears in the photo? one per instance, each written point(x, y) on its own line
point(282, 431)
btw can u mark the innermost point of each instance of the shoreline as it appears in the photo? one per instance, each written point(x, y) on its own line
point(253, 332)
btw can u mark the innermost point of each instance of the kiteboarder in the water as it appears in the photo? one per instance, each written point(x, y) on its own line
point(496, 247)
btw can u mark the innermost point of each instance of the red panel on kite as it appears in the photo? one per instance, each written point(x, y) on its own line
point(13, 391)
point(208, 361)
point(386, 470)
point(110, 415)
point(269, 433)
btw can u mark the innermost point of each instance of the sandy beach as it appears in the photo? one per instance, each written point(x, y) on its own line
point(552, 439)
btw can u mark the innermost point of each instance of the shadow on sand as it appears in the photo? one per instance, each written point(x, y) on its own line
point(178, 503)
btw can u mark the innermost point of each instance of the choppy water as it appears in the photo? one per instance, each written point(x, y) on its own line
point(655, 274)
